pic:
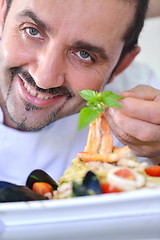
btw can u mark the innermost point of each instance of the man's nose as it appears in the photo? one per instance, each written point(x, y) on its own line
point(49, 69)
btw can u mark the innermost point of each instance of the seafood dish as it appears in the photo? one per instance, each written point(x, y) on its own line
point(104, 168)
point(101, 169)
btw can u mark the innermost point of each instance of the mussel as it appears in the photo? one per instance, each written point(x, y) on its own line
point(10, 192)
point(40, 176)
point(79, 190)
point(89, 186)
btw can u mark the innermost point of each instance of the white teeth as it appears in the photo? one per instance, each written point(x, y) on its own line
point(42, 96)
point(45, 97)
point(28, 89)
point(25, 85)
point(34, 93)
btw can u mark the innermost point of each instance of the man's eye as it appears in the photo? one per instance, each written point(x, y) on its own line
point(84, 55)
point(33, 32)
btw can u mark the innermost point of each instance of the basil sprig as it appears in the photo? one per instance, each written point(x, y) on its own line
point(96, 103)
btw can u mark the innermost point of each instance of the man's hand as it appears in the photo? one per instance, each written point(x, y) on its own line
point(137, 123)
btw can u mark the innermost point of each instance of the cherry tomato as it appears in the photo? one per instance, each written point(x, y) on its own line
point(108, 188)
point(42, 188)
point(153, 171)
point(125, 173)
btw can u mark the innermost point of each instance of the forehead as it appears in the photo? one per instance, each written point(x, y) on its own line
point(110, 17)
point(84, 9)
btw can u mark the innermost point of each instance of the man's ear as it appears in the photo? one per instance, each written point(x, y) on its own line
point(3, 7)
point(126, 61)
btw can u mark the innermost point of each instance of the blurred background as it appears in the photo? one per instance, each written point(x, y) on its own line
point(150, 38)
point(150, 44)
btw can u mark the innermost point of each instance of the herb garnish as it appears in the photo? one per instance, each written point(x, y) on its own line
point(96, 103)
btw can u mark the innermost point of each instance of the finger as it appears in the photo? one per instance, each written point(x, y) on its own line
point(122, 136)
point(138, 129)
point(148, 111)
point(143, 92)
point(150, 150)
point(142, 149)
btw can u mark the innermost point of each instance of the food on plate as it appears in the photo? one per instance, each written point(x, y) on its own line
point(39, 186)
point(40, 182)
point(104, 168)
point(13, 193)
point(101, 169)
point(153, 171)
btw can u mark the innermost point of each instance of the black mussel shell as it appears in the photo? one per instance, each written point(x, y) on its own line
point(13, 193)
point(90, 186)
point(79, 190)
point(40, 176)
point(91, 182)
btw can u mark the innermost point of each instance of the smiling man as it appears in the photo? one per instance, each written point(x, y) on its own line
point(49, 51)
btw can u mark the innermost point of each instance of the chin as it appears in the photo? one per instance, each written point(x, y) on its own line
point(29, 123)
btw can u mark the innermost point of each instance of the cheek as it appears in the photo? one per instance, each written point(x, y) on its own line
point(14, 52)
point(93, 79)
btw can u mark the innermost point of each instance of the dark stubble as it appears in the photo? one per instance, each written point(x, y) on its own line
point(30, 107)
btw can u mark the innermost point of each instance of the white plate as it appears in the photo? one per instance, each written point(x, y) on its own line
point(80, 208)
point(136, 212)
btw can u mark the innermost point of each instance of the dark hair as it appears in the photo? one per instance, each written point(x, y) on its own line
point(8, 4)
point(132, 34)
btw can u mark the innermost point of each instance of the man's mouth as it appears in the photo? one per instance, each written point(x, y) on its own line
point(40, 97)
point(34, 93)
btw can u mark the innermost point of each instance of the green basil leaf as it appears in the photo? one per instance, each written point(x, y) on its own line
point(110, 99)
point(86, 116)
point(91, 104)
point(109, 94)
point(87, 94)
point(95, 105)
point(109, 102)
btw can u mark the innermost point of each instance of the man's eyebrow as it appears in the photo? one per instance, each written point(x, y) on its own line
point(91, 48)
point(32, 15)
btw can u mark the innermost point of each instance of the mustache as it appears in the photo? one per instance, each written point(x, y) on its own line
point(28, 78)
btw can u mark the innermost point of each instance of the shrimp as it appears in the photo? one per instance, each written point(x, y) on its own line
point(99, 142)
point(99, 145)
point(94, 137)
point(92, 157)
point(99, 137)
point(106, 145)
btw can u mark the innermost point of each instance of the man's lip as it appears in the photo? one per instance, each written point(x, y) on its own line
point(31, 95)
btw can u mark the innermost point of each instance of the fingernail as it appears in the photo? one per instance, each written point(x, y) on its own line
point(121, 101)
point(111, 111)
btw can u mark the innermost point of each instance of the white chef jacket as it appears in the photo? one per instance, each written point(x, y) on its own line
point(53, 147)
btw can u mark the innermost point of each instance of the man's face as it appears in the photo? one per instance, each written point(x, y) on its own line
point(50, 50)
